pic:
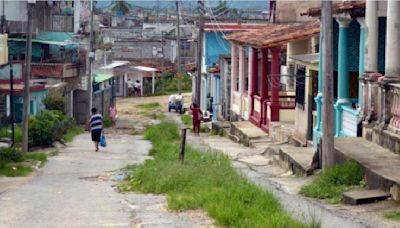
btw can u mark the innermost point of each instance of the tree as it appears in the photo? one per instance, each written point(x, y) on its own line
point(120, 6)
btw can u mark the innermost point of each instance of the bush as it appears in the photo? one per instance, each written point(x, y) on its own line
point(5, 132)
point(48, 126)
point(11, 154)
point(55, 101)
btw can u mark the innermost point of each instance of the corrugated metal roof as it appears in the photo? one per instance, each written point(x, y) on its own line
point(275, 34)
point(231, 27)
point(58, 43)
point(98, 78)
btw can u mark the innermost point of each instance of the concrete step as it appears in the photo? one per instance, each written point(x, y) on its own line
point(356, 197)
point(380, 166)
point(262, 142)
point(296, 159)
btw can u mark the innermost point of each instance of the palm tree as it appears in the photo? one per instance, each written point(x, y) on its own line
point(120, 6)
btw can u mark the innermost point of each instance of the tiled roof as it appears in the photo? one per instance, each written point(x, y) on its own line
point(338, 8)
point(274, 35)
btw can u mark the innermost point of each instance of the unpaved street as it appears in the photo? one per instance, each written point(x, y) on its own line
point(77, 188)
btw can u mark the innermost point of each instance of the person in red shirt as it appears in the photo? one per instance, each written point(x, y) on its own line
point(197, 115)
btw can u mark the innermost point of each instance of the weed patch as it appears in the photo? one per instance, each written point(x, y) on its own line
point(206, 181)
point(36, 156)
point(71, 133)
point(150, 110)
point(187, 119)
point(14, 163)
point(393, 215)
point(332, 182)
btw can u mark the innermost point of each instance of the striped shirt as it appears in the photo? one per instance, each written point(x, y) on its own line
point(96, 122)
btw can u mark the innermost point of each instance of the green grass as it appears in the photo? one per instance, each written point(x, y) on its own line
point(107, 122)
point(187, 119)
point(151, 110)
point(206, 181)
point(393, 215)
point(332, 182)
point(14, 170)
point(149, 106)
point(15, 163)
point(74, 131)
point(6, 133)
point(36, 156)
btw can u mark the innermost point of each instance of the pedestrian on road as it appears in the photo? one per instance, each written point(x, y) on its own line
point(96, 127)
point(197, 116)
point(112, 113)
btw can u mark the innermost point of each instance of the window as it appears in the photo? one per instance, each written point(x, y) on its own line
point(300, 86)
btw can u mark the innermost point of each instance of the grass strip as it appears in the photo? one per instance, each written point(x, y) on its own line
point(74, 131)
point(333, 181)
point(206, 181)
point(5, 132)
point(15, 163)
point(150, 110)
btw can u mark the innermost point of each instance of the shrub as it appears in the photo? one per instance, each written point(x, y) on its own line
point(55, 101)
point(48, 126)
point(11, 154)
point(107, 122)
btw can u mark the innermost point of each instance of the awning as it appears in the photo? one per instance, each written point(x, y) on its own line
point(145, 69)
point(114, 64)
point(98, 78)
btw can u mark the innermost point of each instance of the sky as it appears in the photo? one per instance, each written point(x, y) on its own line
point(239, 4)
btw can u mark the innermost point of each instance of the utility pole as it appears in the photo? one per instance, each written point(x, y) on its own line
point(199, 52)
point(28, 56)
point(91, 57)
point(178, 50)
point(328, 150)
point(12, 105)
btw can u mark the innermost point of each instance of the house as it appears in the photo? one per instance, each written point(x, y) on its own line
point(215, 45)
point(38, 92)
point(348, 40)
point(260, 91)
point(379, 111)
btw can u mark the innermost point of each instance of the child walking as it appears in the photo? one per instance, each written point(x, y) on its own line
point(96, 127)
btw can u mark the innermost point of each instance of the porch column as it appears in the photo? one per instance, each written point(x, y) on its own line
point(264, 73)
point(343, 67)
point(242, 70)
point(275, 83)
point(372, 36)
point(343, 73)
point(264, 83)
point(234, 70)
point(361, 66)
point(392, 67)
point(253, 77)
point(318, 98)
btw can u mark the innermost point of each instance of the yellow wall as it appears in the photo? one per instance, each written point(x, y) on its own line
point(3, 49)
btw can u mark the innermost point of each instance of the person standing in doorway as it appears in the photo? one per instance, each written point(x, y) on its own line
point(197, 116)
point(96, 127)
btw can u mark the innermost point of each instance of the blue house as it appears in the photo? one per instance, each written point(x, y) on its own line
point(214, 45)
